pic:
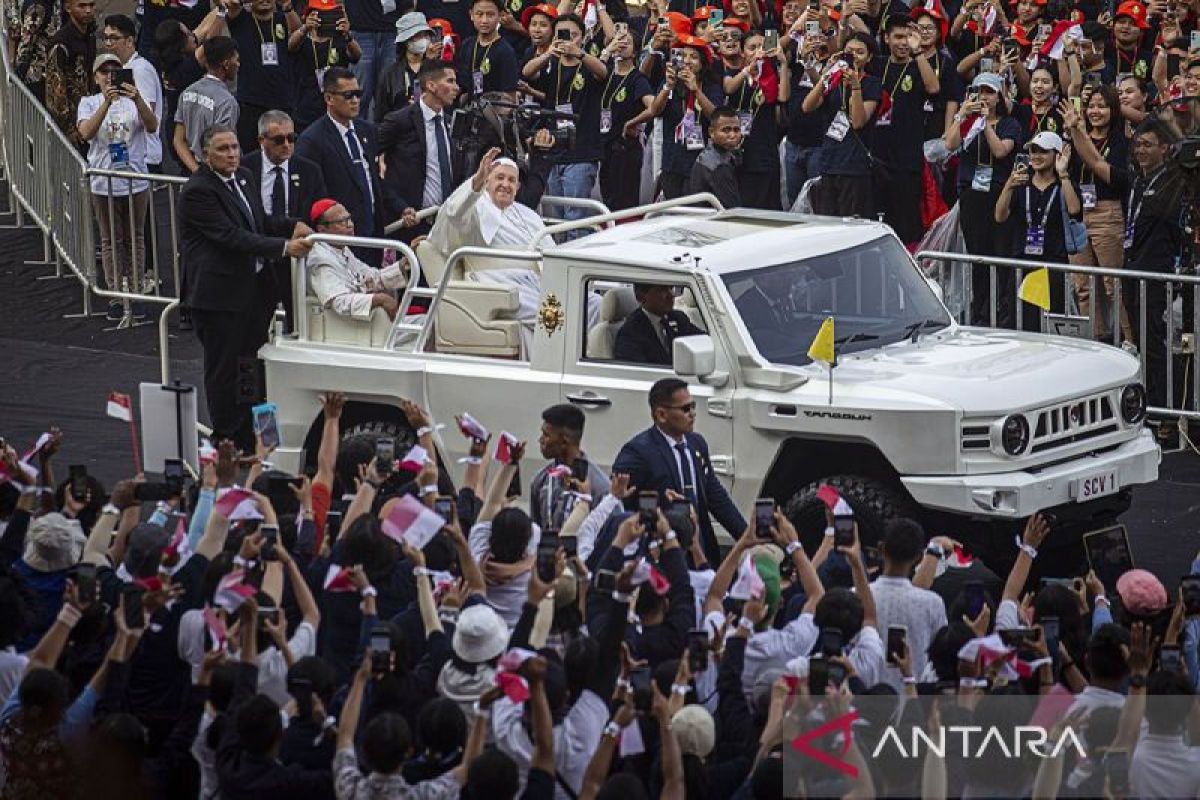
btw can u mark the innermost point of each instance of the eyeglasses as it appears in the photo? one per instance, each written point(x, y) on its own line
point(278, 141)
point(686, 408)
point(350, 94)
point(927, 28)
point(337, 221)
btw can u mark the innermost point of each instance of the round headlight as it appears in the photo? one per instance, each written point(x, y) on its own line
point(1014, 434)
point(1133, 403)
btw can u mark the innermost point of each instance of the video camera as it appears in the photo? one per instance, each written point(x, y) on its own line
point(492, 120)
point(1186, 153)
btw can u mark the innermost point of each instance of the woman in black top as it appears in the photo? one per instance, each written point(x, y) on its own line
point(626, 94)
point(1034, 197)
point(1102, 137)
point(758, 92)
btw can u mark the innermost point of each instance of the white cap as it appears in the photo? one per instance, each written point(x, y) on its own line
point(1047, 140)
point(988, 79)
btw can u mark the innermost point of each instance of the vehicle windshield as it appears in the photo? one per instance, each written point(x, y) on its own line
point(874, 293)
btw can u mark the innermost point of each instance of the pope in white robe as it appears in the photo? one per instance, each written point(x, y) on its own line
point(484, 212)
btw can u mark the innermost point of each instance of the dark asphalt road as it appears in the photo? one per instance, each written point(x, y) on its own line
point(59, 371)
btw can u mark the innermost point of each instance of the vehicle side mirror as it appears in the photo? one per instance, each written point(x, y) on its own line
point(696, 356)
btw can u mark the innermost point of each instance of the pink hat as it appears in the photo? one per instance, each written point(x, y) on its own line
point(1141, 593)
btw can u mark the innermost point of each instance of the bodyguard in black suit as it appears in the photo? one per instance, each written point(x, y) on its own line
point(670, 455)
point(646, 336)
point(345, 148)
point(226, 240)
point(423, 166)
point(292, 185)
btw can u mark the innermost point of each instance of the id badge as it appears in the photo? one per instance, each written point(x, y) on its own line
point(118, 152)
point(564, 108)
point(605, 120)
point(1087, 194)
point(270, 54)
point(1035, 240)
point(885, 119)
point(927, 107)
point(746, 120)
point(477, 81)
point(981, 181)
point(839, 127)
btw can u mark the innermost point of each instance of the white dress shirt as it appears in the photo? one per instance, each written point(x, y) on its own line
point(687, 472)
point(433, 169)
point(366, 166)
point(267, 185)
point(920, 611)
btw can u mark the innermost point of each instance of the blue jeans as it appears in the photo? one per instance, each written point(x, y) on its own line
point(378, 53)
point(572, 180)
point(797, 165)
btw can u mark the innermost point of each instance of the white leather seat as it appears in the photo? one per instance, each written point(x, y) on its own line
point(686, 303)
point(473, 318)
point(615, 306)
point(326, 326)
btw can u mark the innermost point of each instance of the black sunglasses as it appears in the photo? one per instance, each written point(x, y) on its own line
point(278, 141)
point(351, 94)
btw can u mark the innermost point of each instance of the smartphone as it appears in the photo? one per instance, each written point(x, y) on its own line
point(1021, 161)
point(563, 35)
point(897, 641)
point(648, 510)
point(716, 17)
point(1092, 80)
point(986, 64)
point(812, 28)
point(270, 534)
point(570, 545)
point(843, 531)
point(606, 580)
point(663, 22)
point(84, 576)
point(1194, 42)
point(639, 682)
point(1189, 586)
point(385, 455)
point(837, 674)
point(79, 482)
point(381, 650)
point(973, 94)
point(764, 517)
point(818, 675)
point(123, 77)
point(697, 651)
point(974, 595)
point(831, 641)
point(620, 29)
point(173, 476)
point(266, 425)
point(547, 554)
point(1065, 582)
point(1043, 30)
point(267, 614)
point(676, 60)
point(327, 22)
point(1116, 767)
point(580, 470)
point(131, 597)
point(443, 506)
point(1015, 637)
point(1050, 631)
point(1168, 658)
point(301, 689)
point(152, 492)
point(333, 524)
point(1009, 43)
point(770, 40)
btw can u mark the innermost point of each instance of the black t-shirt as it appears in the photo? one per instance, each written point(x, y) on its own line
point(258, 83)
point(519, 41)
point(677, 159)
point(367, 15)
point(1033, 207)
point(1033, 123)
point(1120, 62)
point(623, 96)
point(950, 90)
point(308, 68)
point(977, 153)
point(805, 130)
point(577, 88)
point(1156, 211)
point(760, 145)
point(1115, 150)
point(849, 155)
point(899, 133)
point(495, 63)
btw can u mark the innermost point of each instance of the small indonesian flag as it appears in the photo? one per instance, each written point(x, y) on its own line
point(513, 685)
point(960, 558)
point(412, 522)
point(471, 428)
point(120, 406)
point(659, 582)
point(413, 460)
point(447, 48)
point(749, 583)
point(505, 446)
point(514, 658)
point(216, 627)
point(1063, 31)
point(834, 78)
point(151, 584)
point(559, 471)
point(970, 128)
point(337, 579)
point(828, 495)
point(237, 504)
point(232, 592)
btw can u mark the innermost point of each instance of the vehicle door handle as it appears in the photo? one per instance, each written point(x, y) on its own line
point(589, 399)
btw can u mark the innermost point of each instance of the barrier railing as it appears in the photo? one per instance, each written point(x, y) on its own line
point(1180, 327)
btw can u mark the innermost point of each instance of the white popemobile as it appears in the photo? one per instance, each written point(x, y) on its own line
point(971, 429)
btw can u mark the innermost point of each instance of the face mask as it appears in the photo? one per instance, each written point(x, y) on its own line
point(417, 45)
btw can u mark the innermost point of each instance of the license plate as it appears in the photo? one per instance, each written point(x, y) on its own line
point(1098, 484)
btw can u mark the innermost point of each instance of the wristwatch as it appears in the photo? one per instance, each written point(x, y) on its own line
point(1137, 681)
point(935, 550)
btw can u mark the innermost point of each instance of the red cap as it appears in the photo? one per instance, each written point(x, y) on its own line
point(687, 40)
point(323, 5)
point(701, 13)
point(447, 28)
point(1136, 11)
point(1020, 35)
point(933, 9)
point(741, 25)
point(319, 208)
point(541, 8)
point(679, 23)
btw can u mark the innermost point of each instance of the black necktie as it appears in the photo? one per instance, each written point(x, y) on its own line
point(685, 477)
point(443, 156)
point(241, 202)
point(278, 197)
point(356, 156)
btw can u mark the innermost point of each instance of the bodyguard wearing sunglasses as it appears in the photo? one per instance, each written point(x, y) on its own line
point(346, 148)
point(288, 185)
point(671, 455)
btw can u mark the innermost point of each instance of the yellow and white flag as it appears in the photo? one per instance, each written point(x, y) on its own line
point(821, 348)
point(1035, 288)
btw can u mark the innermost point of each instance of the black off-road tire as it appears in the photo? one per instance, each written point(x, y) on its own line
point(875, 504)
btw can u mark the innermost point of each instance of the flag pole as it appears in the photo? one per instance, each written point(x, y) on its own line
point(137, 457)
point(830, 384)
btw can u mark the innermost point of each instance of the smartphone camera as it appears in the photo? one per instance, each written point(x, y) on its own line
point(1021, 161)
point(648, 510)
point(764, 517)
point(606, 580)
point(131, 598)
point(385, 455)
point(831, 641)
point(563, 35)
point(270, 536)
point(843, 531)
point(381, 651)
point(547, 555)
point(79, 483)
point(697, 651)
point(443, 506)
point(897, 642)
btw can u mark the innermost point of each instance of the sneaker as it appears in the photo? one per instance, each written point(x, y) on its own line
point(115, 311)
point(1129, 347)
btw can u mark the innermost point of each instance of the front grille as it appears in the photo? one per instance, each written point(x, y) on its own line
point(1075, 421)
point(976, 437)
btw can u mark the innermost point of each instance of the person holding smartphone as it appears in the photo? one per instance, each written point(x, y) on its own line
point(116, 122)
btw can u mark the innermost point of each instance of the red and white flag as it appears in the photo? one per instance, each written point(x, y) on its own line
point(505, 446)
point(120, 406)
point(215, 626)
point(1063, 31)
point(970, 128)
point(513, 685)
point(412, 522)
point(559, 471)
point(232, 592)
point(514, 658)
point(413, 460)
point(178, 548)
point(236, 504)
point(834, 78)
point(828, 495)
point(960, 557)
point(749, 584)
point(337, 579)
point(471, 428)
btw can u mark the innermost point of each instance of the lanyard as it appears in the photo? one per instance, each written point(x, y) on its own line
point(888, 66)
point(270, 29)
point(1045, 211)
point(742, 98)
point(475, 51)
point(1086, 170)
point(570, 86)
point(1035, 121)
point(607, 104)
point(1136, 210)
point(328, 52)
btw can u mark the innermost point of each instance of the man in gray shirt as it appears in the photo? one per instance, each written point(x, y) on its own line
point(207, 102)
point(560, 441)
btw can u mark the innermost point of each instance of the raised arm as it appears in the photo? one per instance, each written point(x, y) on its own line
point(498, 489)
point(332, 404)
point(1035, 533)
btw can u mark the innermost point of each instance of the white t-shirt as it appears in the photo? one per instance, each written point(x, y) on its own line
point(150, 87)
point(119, 144)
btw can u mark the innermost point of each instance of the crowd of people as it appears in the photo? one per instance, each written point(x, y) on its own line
point(369, 630)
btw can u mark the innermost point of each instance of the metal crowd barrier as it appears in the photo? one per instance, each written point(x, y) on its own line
point(953, 273)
